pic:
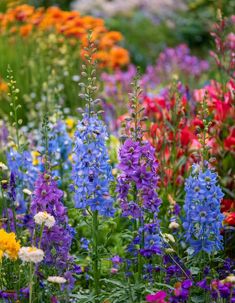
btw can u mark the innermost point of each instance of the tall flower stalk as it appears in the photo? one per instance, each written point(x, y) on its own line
point(137, 182)
point(203, 220)
point(92, 172)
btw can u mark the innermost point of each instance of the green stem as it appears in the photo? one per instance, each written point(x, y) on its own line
point(96, 269)
point(40, 235)
point(30, 282)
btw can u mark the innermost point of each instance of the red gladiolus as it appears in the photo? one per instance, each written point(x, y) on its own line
point(229, 142)
point(230, 219)
point(222, 110)
point(197, 122)
point(186, 136)
point(227, 204)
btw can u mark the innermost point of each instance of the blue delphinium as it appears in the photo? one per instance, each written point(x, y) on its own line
point(92, 172)
point(21, 166)
point(203, 219)
point(60, 146)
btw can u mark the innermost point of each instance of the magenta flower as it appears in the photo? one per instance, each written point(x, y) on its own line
point(158, 297)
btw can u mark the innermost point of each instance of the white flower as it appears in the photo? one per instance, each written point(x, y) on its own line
point(44, 217)
point(27, 191)
point(56, 279)
point(3, 166)
point(169, 237)
point(230, 279)
point(31, 254)
point(174, 225)
point(169, 250)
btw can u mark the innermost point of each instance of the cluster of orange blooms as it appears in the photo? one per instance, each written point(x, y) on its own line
point(25, 20)
point(3, 86)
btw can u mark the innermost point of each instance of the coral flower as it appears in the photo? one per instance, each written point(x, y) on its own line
point(230, 219)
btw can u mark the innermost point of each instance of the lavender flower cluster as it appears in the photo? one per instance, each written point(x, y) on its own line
point(138, 178)
point(173, 61)
point(56, 241)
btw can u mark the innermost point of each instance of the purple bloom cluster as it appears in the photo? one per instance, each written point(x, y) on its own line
point(152, 242)
point(171, 61)
point(117, 84)
point(138, 179)
point(56, 241)
point(218, 289)
point(181, 292)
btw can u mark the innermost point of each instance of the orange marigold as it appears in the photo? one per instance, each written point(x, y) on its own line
point(119, 56)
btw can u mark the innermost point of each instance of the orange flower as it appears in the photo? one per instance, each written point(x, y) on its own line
point(3, 86)
point(109, 39)
point(102, 57)
point(25, 30)
point(119, 56)
point(25, 20)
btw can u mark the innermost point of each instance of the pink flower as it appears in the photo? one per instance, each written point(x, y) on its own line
point(158, 297)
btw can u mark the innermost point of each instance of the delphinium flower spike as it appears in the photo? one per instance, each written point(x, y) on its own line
point(92, 172)
point(203, 219)
point(137, 183)
point(138, 165)
point(56, 241)
point(19, 160)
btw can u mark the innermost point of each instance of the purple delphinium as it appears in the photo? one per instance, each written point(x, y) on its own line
point(139, 173)
point(172, 61)
point(181, 292)
point(56, 241)
point(137, 187)
point(138, 178)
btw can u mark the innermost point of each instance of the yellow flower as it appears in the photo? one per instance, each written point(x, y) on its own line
point(35, 155)
point(8, 245)
point(70, 122)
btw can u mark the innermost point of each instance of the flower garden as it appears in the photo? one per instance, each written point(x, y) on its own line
point(116, 170)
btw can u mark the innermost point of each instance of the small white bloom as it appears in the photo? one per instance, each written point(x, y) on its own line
point(27, 191)
point(31, 254)
point(44, 217)
point(169, 250)
point(169, 237)
point(76, 78)
point(174, 225)
point(56, 279)
point(3, 166)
